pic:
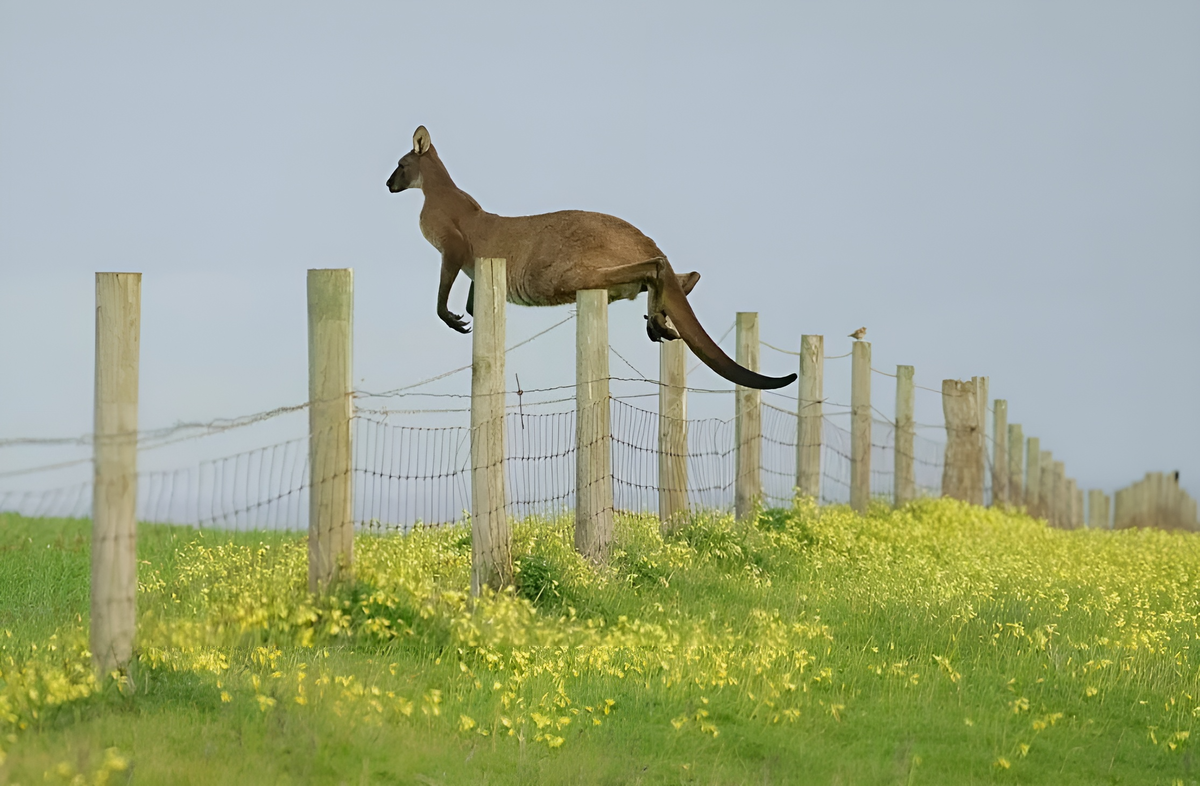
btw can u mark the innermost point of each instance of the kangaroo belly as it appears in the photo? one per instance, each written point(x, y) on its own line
point(552, 288)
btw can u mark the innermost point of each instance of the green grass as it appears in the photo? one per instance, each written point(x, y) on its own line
point(940, 643)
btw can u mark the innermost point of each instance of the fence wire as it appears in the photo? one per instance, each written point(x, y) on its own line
point(405, 474)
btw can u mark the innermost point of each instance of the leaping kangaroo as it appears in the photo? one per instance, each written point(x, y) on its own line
point(552, 256)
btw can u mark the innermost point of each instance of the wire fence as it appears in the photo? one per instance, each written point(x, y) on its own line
point(407, 474)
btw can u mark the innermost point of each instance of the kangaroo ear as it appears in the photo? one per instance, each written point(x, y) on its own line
point(421, 141)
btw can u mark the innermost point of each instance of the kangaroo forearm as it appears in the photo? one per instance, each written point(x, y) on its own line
point(450, 267)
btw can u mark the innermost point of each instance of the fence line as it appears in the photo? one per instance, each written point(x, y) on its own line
point(393, 465)
point(357, 470)
point(406, 476)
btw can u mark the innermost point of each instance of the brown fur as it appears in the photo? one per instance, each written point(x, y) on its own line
point(552, 256)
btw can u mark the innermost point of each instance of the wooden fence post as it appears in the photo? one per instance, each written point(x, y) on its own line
point(593, 436)
point(1046, 486)
point(860, 426)
point(962, 474)
point(809, 416)
point(491, 539)
point(1000, 453)
point(672, 432)
point(1062, 500)
point(1146, 501)
point(1016, 465)
point(1155, 498)
point(1077, 498)
point(1069, 501)
point(1137, 504)
point(330, 511)
point(1069, 513)
point(1097, 509)
point(114, 451)
point(1174, 502)
point(981, 400)
point(1033, 476)
point(1052, 501)
point(747, 480)
point(906, 483)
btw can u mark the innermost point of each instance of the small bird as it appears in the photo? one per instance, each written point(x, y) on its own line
point(859, 334)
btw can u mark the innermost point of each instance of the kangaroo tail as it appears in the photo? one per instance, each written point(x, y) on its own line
point(694, 335)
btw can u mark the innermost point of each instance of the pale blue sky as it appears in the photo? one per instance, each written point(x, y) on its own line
point(1007, 189)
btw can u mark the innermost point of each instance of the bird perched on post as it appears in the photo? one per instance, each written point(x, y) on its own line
point(859, 334)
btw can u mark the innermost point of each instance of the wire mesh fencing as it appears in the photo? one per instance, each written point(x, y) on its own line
point(407, 474)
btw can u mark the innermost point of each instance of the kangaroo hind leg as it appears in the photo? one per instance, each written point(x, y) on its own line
point(650, 275)
point(658, 325)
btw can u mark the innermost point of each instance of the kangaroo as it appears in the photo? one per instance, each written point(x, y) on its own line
point(552, 256)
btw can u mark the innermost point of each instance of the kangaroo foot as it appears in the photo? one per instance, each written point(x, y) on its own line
point(650, 331)
point(660, 328)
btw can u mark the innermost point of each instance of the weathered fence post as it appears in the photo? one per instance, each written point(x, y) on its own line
point(981, 400)
point(1046, 486)
point(1000, 496)
point(1147, 500)
point(747, 480)
point(1069, 501)
point(330, 511)
point(672, 432)
point(1156, 507)
point(1052, 501)
point(1033, 475)
point(1073, 514)
point(491, 540)
point(962, 474)
point(1016, 465)
point(1137, 504)
point(809, 418)
point(860, 426)
point(906, 485)
point(1097, 509)
point(1174, 501)
point(1062, 504)
point(114, 451)
point(593, 436)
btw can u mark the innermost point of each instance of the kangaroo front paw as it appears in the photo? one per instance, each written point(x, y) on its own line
point(455, 321)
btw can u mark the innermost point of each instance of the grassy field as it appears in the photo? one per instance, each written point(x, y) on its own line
point(940, 643)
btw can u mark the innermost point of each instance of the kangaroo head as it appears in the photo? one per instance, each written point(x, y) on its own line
point(408, 170)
